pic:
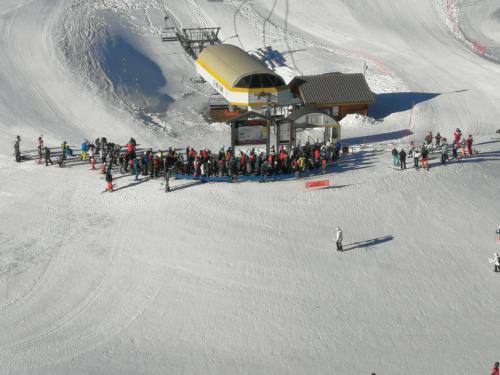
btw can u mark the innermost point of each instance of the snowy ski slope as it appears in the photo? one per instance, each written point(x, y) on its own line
point(244, 278)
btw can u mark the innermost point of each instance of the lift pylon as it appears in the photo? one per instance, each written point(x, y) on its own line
point(192, 39)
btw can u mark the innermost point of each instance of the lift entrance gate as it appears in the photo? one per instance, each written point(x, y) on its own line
point(250, 128)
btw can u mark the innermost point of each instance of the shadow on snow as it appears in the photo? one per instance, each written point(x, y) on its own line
point(383, 137)
point(388, 103)
point(368, 243)
point(132, 184)
point(134, 76)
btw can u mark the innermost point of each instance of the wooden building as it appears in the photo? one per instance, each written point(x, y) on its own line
point(335, 93)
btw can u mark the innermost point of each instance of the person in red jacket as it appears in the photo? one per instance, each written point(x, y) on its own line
point(131, 145)
point(457, 135)
point(495, 369)
point(469, 144)
point(317, 154)
point(243, 163)
point(192, 154)
point(204, 155)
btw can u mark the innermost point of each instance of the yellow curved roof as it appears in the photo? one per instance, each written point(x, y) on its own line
point(231, 63)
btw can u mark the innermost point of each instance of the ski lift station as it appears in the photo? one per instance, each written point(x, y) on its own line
point(241, 79)
point(252, 96)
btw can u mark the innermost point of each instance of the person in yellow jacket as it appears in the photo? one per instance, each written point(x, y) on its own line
point(301, 163)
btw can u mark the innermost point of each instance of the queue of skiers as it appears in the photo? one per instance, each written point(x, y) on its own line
point(202, 163)
point(227, 162)
point(460, 148)
point(205, 163)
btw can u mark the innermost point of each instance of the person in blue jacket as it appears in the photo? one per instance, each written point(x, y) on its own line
point(84, 149)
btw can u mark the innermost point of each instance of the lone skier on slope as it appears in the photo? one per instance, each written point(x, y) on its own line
point(340, 237)
point(496, 261)
point(17, 149)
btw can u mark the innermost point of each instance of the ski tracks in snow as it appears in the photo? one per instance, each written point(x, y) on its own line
point(90, 291)
point(295, 41)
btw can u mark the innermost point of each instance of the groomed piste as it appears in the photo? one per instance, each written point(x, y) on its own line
point(245, 278)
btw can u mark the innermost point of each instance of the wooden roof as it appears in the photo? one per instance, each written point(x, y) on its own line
point(333, 88)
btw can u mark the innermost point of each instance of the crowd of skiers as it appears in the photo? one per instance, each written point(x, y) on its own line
point(205, 163)
point(228, 163)
point(460, 147)
point(201, 163)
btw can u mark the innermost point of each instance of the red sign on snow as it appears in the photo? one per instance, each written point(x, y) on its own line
point(317, 184)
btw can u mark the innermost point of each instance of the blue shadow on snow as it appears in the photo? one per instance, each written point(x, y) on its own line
point(383, 137)
point(276, 177)
point(135, 76)
point(388, 103)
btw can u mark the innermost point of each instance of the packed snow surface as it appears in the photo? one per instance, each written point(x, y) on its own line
point(243, 278)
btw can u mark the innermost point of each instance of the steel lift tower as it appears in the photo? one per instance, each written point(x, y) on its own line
point(192, 39)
